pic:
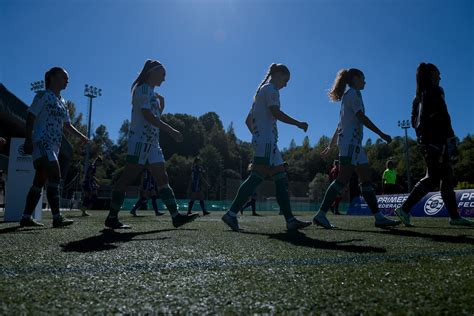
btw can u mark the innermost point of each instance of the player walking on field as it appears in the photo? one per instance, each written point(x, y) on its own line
point(47, 116)
point(148, 190)
point(437, 142)
point(267, 161)
point(89, 186)
point(196, 187)
point(352, 156)
point(143, 145)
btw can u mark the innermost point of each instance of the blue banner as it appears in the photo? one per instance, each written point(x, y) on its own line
point(431, 205)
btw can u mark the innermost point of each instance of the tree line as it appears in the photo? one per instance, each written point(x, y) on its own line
point(223, 156)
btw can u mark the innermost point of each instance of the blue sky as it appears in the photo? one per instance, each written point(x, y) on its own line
point(216, 53)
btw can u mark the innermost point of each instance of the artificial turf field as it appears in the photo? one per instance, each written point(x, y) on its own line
point(204, 267)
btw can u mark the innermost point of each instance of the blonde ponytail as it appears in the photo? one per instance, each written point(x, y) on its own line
point(343, 78)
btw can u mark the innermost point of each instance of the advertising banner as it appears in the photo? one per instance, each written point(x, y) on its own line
point(20, 179)
point(431, 205)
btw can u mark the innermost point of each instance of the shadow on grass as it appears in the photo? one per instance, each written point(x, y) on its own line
point(106, 240)
point(459, 239)
point(298, 238)
point(18, 229)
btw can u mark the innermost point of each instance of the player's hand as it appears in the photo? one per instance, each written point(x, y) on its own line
point(386, 138)
point(162, 101)
point(325, 151)
point(3, 141)
point(303, 126)
point(28, 146)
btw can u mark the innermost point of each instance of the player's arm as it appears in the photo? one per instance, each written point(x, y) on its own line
point(74, 131)
point(331, 143)
point(248, 121)
point(285, 118)
point(155, 121)
point(368, 123)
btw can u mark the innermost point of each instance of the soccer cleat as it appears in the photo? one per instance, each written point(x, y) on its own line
point(29, 222)
point(204, 213)
point(320, 219)
point(113, 223)
point(461, 221)
point(85, 213)
point(134, 213)
point(159, 213)
point(404, 217)
point(386, 222)
point(180, 219)
point(297, 224)
point(231, 221)
point(62, 221)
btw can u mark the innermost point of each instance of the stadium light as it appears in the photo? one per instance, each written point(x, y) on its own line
point(91, 92)
point(405, 124)
point(37, 86)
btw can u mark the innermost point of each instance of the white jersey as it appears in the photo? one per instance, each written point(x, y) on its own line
point(51, 114)
point(264, 124)
point(350, 127)
point(141, 130)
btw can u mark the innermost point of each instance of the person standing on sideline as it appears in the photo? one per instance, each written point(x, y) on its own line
point(333, 173)
point(89, 186)
point(148, 190)
point(389, 179)
point(352, 156)
point(262, 123)
point(143, 145)
point(253, 198)
point(196, 189)
point(437, 142)
point(47, 117)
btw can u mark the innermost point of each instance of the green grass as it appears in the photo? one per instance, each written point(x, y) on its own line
point(205, 268)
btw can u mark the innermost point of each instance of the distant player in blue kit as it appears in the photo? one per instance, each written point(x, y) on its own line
point(47, 116)
point(144, 149)
point(253, 198)
point(196, 188)
point(148, 190)
point(437, 143)
point(267, 161)
point(352, 156)
point(89, 186)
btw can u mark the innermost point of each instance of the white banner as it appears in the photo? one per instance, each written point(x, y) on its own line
point(20, 179)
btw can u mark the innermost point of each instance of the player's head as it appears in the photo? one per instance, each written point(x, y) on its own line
point(336, 162)
point(98, 160)
point(427, 76)
point(390, 164)
point(197, 161)
point(153, 73)
point(278, 74)
point(352, 77)
point(56, 78)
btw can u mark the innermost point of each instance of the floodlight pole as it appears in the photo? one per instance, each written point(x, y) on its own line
point(405, 124)
point(37, 86)
point(91, 92)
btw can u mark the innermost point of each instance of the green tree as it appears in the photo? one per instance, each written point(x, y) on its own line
point(318, 186)
point(213, 163)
